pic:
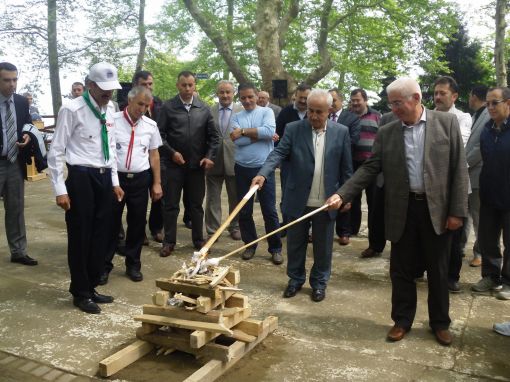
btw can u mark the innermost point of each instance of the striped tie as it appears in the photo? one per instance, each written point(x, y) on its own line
point(12, 136)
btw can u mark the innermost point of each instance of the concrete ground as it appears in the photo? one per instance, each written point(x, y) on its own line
point(43, 337)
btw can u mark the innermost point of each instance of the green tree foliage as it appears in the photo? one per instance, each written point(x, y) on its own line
point(464, 60)
point(342, 43)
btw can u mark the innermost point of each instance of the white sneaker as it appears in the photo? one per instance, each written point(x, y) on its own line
point(504, 293)
point(503, 328)
point(486, 284)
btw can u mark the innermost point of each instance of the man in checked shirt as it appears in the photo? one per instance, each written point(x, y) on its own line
point(137, 142)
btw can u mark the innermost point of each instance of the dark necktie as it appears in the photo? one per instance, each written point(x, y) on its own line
point(333, 117)
point(12, 136)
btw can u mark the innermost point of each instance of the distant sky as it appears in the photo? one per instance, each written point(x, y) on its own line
point(479, 26)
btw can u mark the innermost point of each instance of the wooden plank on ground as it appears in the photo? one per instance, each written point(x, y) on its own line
point(188, 289)
point(213, 369)
point(124, 357)
point(184, 324)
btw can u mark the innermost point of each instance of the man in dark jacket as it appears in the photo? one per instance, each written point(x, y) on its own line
point(13, 115)
point(190, 142)
point(495, 196)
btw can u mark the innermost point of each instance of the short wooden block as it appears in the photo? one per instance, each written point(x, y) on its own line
point(251, 327)
point(148, 328)
point(160, 298)
point(124, 357)
point(237, 300)
point(200, 337)
point(206, 304)
point(181, 313)
point(234, 276)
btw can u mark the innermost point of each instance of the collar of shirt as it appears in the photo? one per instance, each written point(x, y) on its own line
point(229, 107)
point(186, 105)
point(4, 98)
point(423, 119)
point(320, 131)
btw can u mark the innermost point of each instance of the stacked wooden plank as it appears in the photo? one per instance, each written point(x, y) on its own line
point(205, 316)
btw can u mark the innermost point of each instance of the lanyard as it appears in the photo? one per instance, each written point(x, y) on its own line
point(131, 140)
point(102, 121)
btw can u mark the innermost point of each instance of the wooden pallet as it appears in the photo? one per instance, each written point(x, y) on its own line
point(212, 323)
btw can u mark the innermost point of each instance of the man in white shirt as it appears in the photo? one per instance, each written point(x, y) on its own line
point(84, 141)
point(446, 92)
point(137, 141)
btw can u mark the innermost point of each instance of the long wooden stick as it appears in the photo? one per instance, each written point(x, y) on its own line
point(205, 249)
point(273, 232)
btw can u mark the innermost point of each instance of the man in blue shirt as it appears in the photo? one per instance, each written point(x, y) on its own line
point(253, 132)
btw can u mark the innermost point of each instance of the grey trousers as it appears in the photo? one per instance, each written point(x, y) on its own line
point(213, 217)
point(12, 188)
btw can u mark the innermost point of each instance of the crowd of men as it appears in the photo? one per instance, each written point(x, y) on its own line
point(428, 176)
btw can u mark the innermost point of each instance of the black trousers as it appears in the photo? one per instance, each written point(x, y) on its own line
point(88, 226)
point(456, 253)
point(135, 198)
point(174, 180)
point(418, 243)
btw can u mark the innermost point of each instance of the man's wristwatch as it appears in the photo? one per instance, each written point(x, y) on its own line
point(242, 132)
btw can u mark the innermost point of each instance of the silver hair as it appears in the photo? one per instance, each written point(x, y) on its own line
point(225, 82)
point(136, 90)
point(321, 93)
point(405, 86)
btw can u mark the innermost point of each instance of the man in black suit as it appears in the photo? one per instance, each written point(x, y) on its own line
point(351, 120)
point(14, 114)
point(296, 111)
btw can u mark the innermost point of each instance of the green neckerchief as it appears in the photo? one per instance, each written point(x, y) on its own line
point(102, 120)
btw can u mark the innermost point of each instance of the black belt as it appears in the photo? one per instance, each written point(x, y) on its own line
point(92, 170)
point(132, 175)
point(418, 195)
point(3, 157)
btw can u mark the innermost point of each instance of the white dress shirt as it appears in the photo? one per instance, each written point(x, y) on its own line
point(465, 123)
point(317, 195)
point(146, 138)
point(77, 141)
point(414, 140)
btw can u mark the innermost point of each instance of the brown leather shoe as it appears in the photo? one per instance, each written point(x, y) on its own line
point(396, 333)
point(443, 336)
point(476, 262)
point(158, 237)
point(344, 240)
point(235, 234)
point(369, 252)
point(166, 250)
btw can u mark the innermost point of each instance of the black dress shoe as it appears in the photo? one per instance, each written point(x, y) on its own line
point(103, 279)
point(291, 291)
point(198, 244)
point(25, 260)
point(134, 274)
point(86, 305)
point(318, 294)
point(101, 298)
point(277, 258)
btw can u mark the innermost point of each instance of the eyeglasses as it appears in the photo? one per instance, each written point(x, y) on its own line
point(395, 105)
point(495, 103)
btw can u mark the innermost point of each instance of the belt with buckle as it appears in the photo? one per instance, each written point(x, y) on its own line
point(3, 157)
point(418, 195)
point(132, 175)
point(93, 170)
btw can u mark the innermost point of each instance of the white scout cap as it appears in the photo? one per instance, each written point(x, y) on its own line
point(105, 76)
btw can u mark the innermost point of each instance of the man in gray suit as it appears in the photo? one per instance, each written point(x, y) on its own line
point(426, 185)
point(263, 100)
point(319, 155)
point(14, 113)
point(223, 169)
point(474, 161)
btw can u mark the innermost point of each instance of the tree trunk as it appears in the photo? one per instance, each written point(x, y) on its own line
point(267, 27)
point(141, 34)
point(56, 95)
point(499, 47)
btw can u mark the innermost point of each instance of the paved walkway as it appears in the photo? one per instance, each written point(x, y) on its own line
point(43, 337)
